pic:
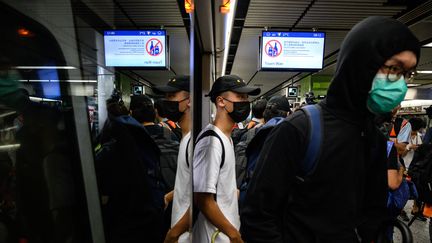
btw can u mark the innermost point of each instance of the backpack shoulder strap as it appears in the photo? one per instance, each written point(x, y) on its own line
point(250, 134)
point(313, 150)
point(166, 132)
point(187, 152)
point(213, 133)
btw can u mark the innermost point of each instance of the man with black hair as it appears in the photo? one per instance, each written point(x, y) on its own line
point(177, 105)
point(277, 106)
point(125, 162)
point(288, 202)
point(258, 108)
point(142, 109)
point(414, 141)
point(428, 134)
point(163, 121)
point(214, 180)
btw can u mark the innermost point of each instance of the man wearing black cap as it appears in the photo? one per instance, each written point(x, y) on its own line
point(177, 108)
point(278, 106)
point(215, 190)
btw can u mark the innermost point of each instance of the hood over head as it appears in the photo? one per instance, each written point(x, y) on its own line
point(368, 45)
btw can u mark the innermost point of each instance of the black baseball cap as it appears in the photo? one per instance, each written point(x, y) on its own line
point(178, 83)
point(279, 102)
point(231, 83)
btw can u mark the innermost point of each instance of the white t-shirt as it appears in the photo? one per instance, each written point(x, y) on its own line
point(209, 177)
point(182, 187)
point(410, 155)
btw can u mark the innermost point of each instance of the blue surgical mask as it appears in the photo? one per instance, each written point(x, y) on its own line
point(385, 95)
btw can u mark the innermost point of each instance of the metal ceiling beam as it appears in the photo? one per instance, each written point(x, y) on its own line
point(125, 13)
point(303, 14)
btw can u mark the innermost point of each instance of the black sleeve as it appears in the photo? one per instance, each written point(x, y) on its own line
point(392, 161)
point(374, 213)
point(262, 210)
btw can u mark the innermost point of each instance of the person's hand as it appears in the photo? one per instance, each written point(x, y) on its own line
point(166, 201)
point(236, 238)
point(414, 147)
point(168, 198)
point(171, 237)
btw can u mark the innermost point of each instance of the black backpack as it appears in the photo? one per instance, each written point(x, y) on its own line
point(237, 134)
point(240, 154)
point(169, 149)
point(420, 171)
point(315, 136)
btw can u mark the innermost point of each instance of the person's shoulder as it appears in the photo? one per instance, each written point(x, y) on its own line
point(297, 120)
point(206, 138)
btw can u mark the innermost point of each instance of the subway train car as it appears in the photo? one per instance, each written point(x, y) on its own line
point(221, 121)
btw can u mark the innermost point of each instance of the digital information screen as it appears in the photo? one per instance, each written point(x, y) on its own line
point(292, 92)
point(132, 48)
point(292, 50)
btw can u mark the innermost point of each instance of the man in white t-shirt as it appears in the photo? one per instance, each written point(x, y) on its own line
point(177, 107)
point(214, 178)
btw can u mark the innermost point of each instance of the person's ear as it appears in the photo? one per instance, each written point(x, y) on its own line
point(220, 102)
point(189, 103)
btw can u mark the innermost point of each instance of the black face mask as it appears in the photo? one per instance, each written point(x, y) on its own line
point(240, 111)
point(172, 111)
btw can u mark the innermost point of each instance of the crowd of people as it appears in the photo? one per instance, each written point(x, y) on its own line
point(333, 171)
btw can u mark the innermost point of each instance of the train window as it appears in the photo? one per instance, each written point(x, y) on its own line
point(43, 127)
point(89, 145)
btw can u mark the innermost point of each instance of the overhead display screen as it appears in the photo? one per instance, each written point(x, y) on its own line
point(292, 92)
point(133, 48)
point(292, 50)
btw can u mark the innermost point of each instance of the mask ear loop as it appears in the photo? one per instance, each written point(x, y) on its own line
point(225, 106)
point(182, 101)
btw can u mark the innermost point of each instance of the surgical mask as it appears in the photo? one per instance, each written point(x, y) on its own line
point(172, 109)
point(385, 94)
point(241, 110)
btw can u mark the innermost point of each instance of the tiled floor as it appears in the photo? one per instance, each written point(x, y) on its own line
point(419, 229)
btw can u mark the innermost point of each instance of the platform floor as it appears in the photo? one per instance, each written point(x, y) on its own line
point(419, 229)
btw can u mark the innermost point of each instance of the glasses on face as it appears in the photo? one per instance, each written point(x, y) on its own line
point(396, 72)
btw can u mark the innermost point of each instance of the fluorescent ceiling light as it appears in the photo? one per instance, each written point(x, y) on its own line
point(44, 67)
point(428, 45)
point(9, 147)
point(57, 81)
point(78, 81)
point(7, 114)
point(33, 98)
point(228, 31)
point(424, 71)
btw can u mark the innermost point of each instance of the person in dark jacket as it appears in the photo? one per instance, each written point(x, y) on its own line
point(130, 187)
point(344, 198)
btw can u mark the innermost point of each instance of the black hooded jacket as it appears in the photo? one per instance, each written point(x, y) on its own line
point(346, 194)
